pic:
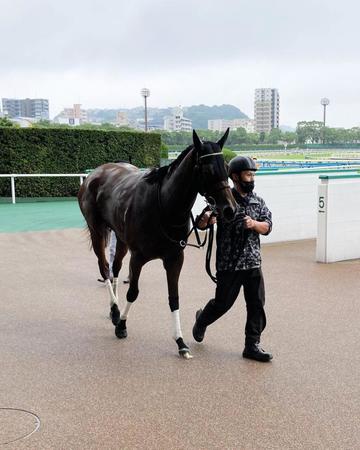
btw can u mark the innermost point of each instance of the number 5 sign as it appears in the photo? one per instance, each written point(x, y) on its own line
point(322, 204)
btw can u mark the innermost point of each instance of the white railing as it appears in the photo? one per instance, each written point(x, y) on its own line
point(12, 177)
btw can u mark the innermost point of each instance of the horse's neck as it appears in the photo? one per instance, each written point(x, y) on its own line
point(178, 191)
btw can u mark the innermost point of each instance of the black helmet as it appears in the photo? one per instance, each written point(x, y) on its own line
point(240, 163)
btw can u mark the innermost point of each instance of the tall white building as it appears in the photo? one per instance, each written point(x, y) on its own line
point(266, 109)
point(177, 121)
point(234, 124)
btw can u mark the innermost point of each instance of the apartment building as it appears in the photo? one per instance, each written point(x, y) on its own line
point(234, 124)
point(266, 109)
point(177, 121)
point(34, 108)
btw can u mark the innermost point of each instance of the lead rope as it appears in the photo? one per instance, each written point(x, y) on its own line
point(208, 254)
point(184, 243)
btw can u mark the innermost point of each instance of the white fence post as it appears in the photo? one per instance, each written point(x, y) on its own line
point(338, 236)
point(13, 190)
point(12, 177)
point(321, 240)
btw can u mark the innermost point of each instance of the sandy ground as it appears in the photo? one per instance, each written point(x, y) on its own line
point(61, 360)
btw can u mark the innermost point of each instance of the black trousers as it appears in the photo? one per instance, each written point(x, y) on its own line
point(227, 291)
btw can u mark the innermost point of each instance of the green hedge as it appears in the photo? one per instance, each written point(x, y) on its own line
point(53, 150)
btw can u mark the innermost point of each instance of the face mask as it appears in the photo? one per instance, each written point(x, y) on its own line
point(247, 186)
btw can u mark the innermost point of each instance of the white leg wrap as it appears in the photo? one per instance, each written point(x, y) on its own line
point(124, 315)
point(115, 286)
point(113, 299)
point(176, 324)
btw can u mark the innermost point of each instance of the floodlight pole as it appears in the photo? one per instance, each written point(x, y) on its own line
point(145, 93)
point(324, 102)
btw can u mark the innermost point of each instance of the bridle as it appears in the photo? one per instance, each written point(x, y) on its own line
point(210, 201)
point(219, 186)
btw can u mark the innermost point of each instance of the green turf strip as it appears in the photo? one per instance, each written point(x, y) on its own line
point(40, 216)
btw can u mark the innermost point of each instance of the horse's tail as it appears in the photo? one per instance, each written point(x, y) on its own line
point(87, 197)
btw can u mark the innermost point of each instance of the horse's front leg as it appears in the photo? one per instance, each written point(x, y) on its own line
point(120, 252)
point(173, 268)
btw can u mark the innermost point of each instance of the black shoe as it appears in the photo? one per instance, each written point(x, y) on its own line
point(254, 351)
point(198, 331)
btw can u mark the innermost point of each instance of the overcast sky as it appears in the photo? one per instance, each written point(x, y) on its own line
point(101, 53)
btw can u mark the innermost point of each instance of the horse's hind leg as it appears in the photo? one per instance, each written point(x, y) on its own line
point(173, 268)
point(98, 239)
point(136, 264)
point(120, 252)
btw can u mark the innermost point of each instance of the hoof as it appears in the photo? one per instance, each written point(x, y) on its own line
point(120, 334)
point(185, 353)
point(120, 330)
point(184, 350)
point(115, 314)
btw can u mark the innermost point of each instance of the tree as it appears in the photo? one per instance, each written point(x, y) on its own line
point(43, 124)
point(289, 137)
point(164, 151)
point(253, 138)
point(5, 122)
point(228, 154)
point(238, 136)
point(309, 132)
point(273, 137)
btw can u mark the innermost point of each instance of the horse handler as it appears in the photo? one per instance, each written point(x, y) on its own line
point(238, 259)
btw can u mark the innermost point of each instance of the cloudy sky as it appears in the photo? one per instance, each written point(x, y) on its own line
point(101, 53)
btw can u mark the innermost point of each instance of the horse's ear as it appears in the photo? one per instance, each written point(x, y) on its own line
point(222, 141)
point(197, 141)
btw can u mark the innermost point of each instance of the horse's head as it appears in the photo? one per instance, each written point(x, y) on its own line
point(212, 175)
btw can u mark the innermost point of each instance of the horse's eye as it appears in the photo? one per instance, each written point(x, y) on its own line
point(209, 170)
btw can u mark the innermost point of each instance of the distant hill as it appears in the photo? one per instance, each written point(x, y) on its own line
point(199, 114)
point(287, 128)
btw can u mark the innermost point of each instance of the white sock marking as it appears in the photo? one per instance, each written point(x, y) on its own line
point(115, 287)
point(124, 315)
point(113, 299)
point(176, 325)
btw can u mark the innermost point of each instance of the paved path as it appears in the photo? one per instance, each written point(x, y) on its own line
point(61, 360)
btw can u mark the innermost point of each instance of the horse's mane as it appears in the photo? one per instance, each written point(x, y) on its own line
point(157, 174)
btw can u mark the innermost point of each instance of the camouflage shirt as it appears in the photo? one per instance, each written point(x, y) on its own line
point(237, 247)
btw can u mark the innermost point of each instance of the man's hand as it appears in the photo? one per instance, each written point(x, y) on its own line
point(249, 223)
point(259, 227)
point(205, 220)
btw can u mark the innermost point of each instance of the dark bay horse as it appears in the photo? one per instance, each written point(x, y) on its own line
point(149, 213)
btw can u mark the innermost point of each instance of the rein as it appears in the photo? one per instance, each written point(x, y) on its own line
point(221, 185)
point(182, 242)
point(208, 254)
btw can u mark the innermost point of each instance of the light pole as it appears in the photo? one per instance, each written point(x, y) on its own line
point(145, 93)
point(325, 101)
